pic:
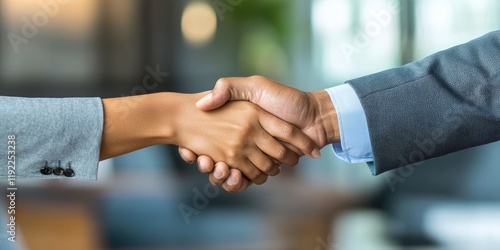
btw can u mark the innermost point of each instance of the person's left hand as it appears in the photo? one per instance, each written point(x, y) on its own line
point(311, 112)
point(241, 134)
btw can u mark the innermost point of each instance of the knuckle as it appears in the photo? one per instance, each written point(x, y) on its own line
point(268, 167)
point(261, 179)
point(287, 130)
point(254, 109)
point(294, 161)
point(249, 111)
point(308, 146)
point(246, 129)
point(232, 161)
point(280, 153)
point(232, 155)
point(276, 171)
point(222, 82)
point(256, 77)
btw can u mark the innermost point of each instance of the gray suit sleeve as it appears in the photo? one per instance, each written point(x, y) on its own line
point(47, 131)
point(444, 103)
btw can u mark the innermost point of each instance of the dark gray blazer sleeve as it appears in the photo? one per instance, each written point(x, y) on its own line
point(444, 103)
point(52, 130)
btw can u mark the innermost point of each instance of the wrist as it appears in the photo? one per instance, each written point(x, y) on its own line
point(182, 114)
point(326, 117)
point(163, 111)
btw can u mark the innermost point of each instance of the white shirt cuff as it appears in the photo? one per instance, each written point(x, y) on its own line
point(354, 145)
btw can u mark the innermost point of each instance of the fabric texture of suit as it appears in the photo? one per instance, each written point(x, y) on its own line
point(444, 103)
point(52, 130)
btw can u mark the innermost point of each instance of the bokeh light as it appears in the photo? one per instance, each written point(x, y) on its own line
point(198, 23)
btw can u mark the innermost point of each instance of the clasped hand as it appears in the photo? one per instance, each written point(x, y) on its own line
point(246, 143)
point(241, 135)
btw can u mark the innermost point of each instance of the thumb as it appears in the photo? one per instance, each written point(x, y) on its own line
point(226, 89)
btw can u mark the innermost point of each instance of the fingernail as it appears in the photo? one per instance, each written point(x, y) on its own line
point(231, 181)
point(205, 99)
point(315, 153)
point(184, 158)
point(218, 174)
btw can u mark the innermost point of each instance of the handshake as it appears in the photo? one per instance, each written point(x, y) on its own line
point(243, 130)
point(240, 133)
point(256, 125)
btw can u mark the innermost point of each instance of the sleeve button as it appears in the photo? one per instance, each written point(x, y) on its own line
point(69, 172)
point(58, 171)
point(46, 170)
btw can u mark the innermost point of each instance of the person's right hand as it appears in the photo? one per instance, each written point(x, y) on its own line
point(240, 134)
point(312, 112)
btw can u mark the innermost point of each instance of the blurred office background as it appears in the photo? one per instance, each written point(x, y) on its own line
point(150, 199)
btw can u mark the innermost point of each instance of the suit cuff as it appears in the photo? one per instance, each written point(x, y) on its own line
point(52, 130)
point(354, 145)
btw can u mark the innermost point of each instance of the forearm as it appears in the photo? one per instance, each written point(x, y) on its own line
point(51, 131)
point(135, 122)
point(438, 105)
